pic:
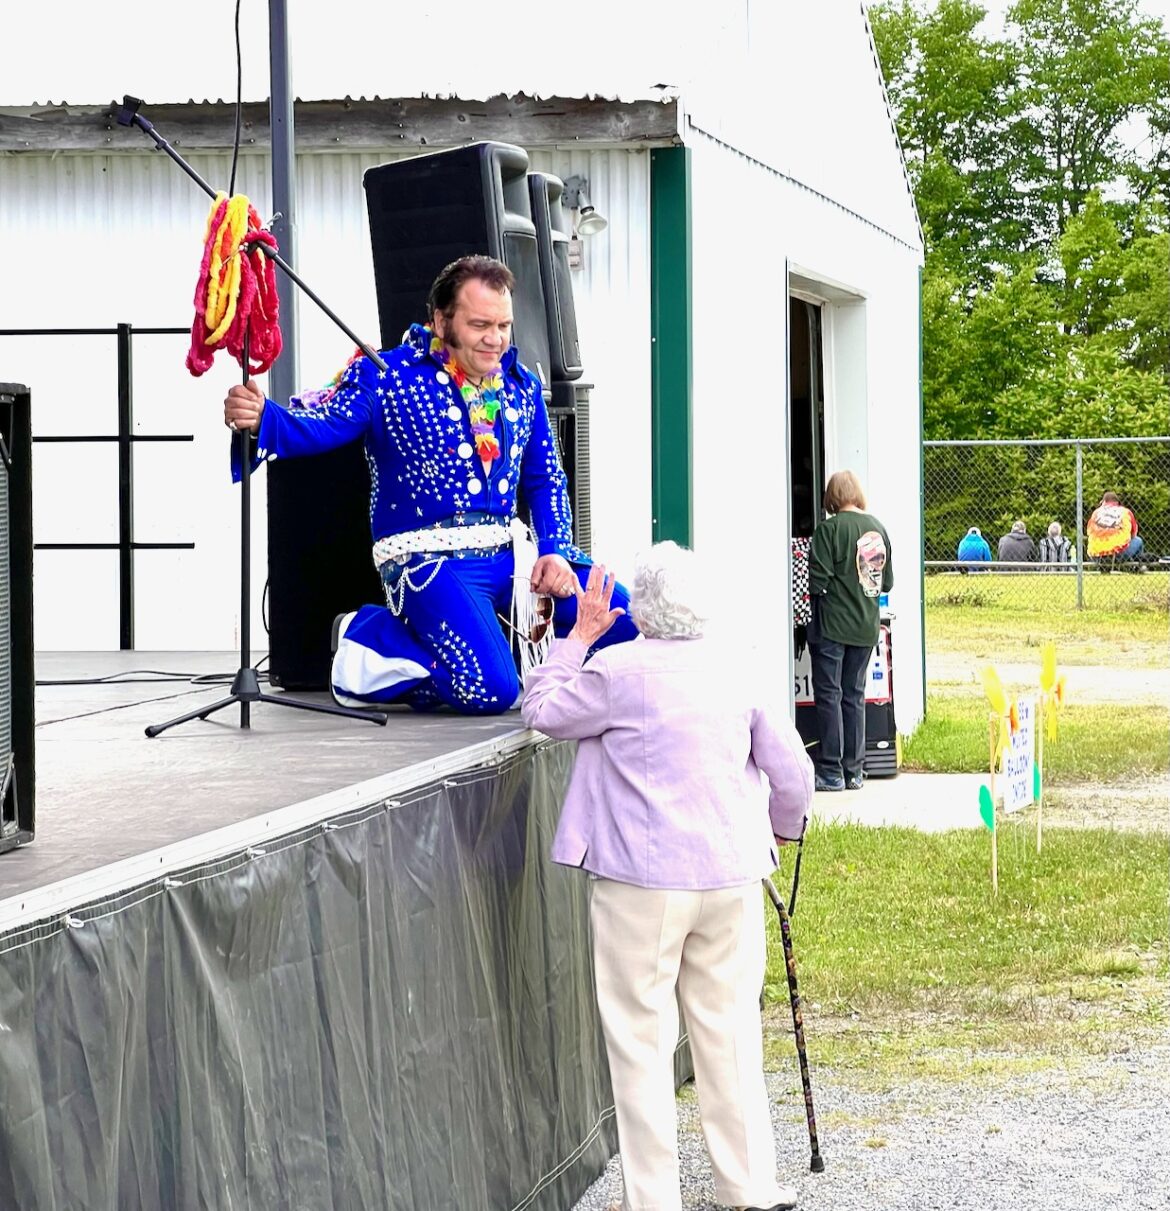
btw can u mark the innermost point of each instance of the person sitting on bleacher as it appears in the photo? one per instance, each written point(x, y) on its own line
point(1054, 547)
point(1112, 533)
point(1017, 546)
point(973, 548)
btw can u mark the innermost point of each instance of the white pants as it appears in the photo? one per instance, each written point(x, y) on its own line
point(710, 945)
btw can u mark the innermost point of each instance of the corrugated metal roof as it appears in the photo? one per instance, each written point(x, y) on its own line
point(456, 48)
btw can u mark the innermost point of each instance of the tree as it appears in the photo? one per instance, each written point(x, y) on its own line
point(1086, 68)
point(957, 102)
point(1005, 139)
point(1142, 308)
point(1046, 298)
point(1089, 392)
point(1117, 286)
point(978, 344)
point(1046, 292)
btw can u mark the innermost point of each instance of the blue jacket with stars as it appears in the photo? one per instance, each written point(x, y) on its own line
point(424, 469)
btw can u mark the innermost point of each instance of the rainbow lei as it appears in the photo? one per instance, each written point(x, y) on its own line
point(483, 404)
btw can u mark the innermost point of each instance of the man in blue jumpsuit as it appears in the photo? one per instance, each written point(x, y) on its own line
point(453, 428)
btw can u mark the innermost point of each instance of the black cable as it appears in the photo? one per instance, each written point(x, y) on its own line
point(127, 677)
point(118, 706)
point(147, 677)
point(239, 104)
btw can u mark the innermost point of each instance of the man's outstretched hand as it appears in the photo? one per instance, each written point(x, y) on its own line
point(553, 576)
point(594, 614)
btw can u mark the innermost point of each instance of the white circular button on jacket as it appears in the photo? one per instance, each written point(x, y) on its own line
point(474, 486)
point(464, 450)
point(442, 377)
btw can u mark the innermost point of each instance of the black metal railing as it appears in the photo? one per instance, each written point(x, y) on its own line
point(126, 439)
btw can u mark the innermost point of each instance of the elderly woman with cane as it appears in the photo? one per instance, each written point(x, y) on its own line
point(667, 811)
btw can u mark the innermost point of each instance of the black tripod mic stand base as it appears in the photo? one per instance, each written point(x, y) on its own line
point(246, 690)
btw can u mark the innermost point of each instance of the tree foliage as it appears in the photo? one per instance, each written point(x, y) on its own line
point(1087, 67)
point(1040, 161)
point(958, 106)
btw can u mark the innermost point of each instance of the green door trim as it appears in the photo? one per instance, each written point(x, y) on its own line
point(921, 498)
point(671, 352)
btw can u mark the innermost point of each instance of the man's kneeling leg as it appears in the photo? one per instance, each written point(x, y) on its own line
point(376, 660)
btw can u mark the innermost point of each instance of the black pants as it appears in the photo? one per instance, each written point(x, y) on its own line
point(838, 673)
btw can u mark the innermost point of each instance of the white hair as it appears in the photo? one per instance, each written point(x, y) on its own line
point(1054, 529)
point(669, 600)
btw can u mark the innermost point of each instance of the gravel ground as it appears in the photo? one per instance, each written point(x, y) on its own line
point(1141, 805)
point(1094, 1137)
point(1147, 685)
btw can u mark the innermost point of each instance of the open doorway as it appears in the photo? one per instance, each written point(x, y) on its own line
point(806, 478)
point(806, 415)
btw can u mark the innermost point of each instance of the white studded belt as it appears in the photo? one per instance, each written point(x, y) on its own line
point(440, 540)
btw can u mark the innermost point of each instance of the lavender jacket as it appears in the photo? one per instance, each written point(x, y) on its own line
point(666, 790)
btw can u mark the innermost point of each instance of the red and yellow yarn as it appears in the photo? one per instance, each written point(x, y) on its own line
point(236, 292)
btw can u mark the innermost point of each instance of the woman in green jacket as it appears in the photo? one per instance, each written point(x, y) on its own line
point(850, 566)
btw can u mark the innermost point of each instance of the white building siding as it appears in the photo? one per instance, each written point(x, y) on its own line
point(801, 91)
point(747, 221)
point(97, 240)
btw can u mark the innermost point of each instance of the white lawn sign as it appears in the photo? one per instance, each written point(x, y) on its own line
point(1019, 759)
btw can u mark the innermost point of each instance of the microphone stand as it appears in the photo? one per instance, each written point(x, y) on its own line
point(245, 688)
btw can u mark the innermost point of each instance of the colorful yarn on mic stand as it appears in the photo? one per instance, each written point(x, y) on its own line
point(235, 297)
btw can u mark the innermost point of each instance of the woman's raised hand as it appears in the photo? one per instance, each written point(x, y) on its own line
point(594, 614)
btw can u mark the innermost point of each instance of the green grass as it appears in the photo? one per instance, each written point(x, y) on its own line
point(892, 915)
point(909, 964)
point(1008, 617)
point(1100, 743)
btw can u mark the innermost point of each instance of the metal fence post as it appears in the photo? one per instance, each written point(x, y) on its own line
point(125, 490)
point(1080, 532)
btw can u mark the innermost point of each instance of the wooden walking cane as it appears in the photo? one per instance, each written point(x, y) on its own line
point(817, 1162)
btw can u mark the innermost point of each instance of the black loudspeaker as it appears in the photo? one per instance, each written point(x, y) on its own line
point(427, 211)
point(553, 232)
point(17, 675)
point(569, 416)
point(319, 559)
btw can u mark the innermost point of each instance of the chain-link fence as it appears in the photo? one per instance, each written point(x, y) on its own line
point(993, 485)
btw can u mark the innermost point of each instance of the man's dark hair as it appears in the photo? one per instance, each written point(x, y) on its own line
point(446, 286)
point(1110, 498)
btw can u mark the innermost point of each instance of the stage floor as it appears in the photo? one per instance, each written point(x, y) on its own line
point(105, 793)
